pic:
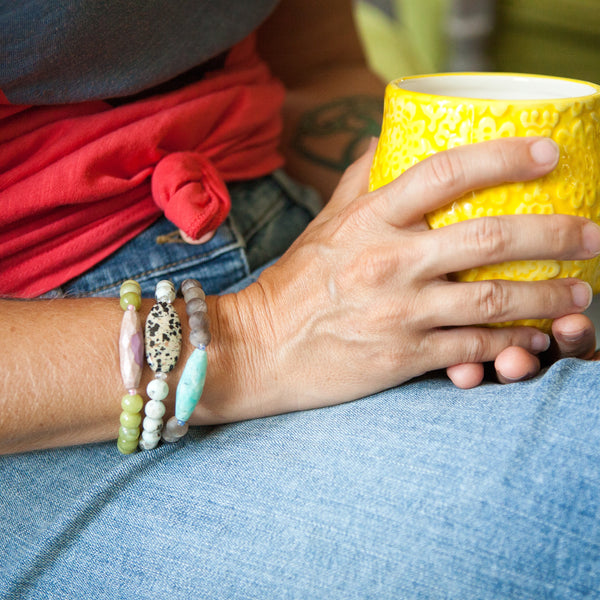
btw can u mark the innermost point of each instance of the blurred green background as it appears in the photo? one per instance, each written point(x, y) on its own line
point(554, 37)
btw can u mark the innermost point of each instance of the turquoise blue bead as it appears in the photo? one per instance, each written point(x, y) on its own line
point(190, 385)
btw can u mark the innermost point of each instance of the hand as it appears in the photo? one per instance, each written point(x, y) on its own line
point(361, 301)
point(573, 335)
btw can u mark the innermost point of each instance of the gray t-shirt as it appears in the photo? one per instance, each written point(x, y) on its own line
point(55, 51)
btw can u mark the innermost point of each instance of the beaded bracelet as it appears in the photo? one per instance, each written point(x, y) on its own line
point(131, 359)
point(191, 384)
point(163, 345)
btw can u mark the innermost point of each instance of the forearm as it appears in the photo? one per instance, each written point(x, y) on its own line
point(62, 383)
point(328, 123)
point(334, 102)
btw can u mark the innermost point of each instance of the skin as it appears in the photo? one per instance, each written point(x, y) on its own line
point(359, 303)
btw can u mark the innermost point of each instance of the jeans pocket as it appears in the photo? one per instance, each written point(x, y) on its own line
point(270, 214)
point(159, 253)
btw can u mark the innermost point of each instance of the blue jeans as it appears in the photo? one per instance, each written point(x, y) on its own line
point(422, 491)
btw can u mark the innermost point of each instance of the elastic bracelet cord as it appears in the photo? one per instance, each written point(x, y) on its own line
point(163, 345)
point(131, 359)
point(191, 384)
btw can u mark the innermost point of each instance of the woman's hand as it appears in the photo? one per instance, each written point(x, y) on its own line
point(361, 301)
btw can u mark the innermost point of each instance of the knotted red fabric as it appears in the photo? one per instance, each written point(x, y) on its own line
point(78, 181)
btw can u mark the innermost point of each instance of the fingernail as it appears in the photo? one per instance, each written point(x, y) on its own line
point(582, 294)
point(517, 379)
point(574, 336)
point(591, 238)
point(540, 342)
point(544, 152)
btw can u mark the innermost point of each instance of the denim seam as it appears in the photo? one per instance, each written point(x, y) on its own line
point(241, 241)
point(265, 218)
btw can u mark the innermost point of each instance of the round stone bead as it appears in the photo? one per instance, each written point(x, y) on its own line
point(149, 440)
point(151, 424)
point(130, 420)
point(165, 291)
point(198, 320)
point(127, 446)
point(200, 337)
point(173, 431)
point(129, 434)
point(130, 286)
point(132, 403)
point(131, 299)
point(195, 306)
point(157, 389)
point(155, 409)
point(189, 284)
point(195, 293)
point(200, 307)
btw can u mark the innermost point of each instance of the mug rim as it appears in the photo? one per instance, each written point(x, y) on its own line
point(595, 88)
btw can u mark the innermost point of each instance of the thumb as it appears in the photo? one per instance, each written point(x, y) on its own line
point(355, 180)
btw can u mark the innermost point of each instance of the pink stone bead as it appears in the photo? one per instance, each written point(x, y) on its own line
point(131, 349)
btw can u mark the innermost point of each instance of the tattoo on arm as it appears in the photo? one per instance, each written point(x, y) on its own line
point(344, 124)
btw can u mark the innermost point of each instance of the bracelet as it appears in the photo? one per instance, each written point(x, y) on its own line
point(191, 384)
point(163, 345)
point(131, 359)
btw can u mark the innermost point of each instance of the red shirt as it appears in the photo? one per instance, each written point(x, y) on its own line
point(77, 181)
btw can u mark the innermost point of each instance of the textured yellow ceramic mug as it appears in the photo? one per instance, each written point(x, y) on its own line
point(429, 113)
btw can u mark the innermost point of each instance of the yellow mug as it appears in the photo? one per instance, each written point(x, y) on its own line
point(429, 113)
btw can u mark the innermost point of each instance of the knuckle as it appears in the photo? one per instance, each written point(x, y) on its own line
point(374, 267)
point(359, 215)
point(446, 170)
point(559, 232)
point(565, 236)
point(493, 301)
point(488, 238)
point(478, 348)
point(569, 231)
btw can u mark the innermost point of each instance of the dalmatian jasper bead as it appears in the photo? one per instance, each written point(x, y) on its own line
point(163, 337)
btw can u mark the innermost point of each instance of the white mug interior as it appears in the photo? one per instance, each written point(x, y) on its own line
point(497, 86)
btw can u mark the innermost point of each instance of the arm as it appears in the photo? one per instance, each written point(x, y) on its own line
point(335, 319)
point(334, 102)
point(61, 383)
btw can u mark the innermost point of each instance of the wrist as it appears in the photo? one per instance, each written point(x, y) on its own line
point(238, 360)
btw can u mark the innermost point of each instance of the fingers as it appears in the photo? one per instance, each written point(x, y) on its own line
point(464, 347)
point(355, 180)
point(512, 364)
point(516, 364)
point(574, 335)
point(466, 376)
point(491, 240)
point(495, 301)
point(448, 175)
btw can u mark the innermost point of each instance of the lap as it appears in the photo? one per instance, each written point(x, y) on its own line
point(423, 491)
